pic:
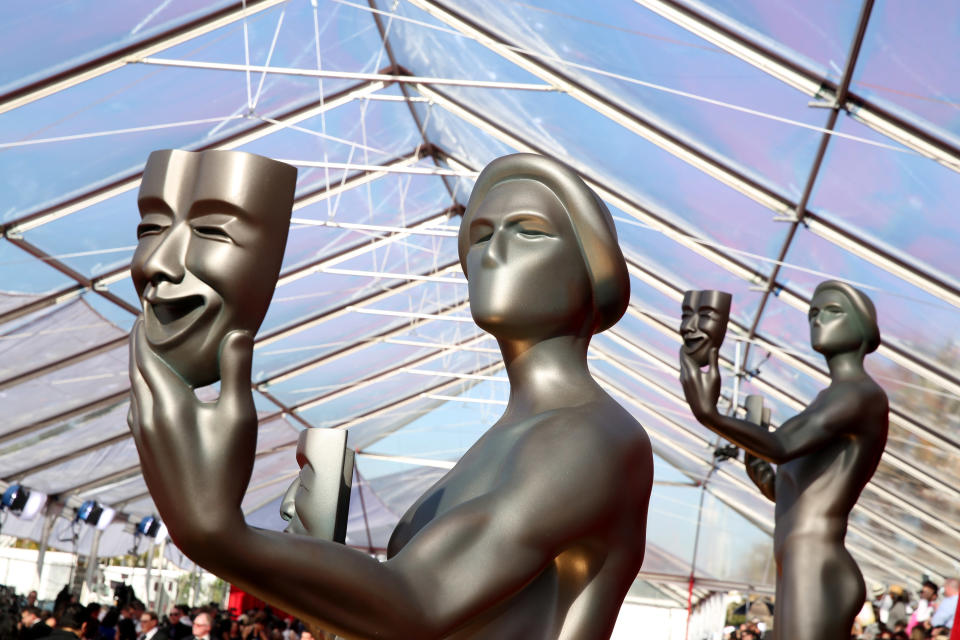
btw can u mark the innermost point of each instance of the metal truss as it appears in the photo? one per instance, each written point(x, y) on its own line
point(116, 59)
point(314, 266)
point(812, 83)
point(891, 348)
point(114, 399)
point(917, 274)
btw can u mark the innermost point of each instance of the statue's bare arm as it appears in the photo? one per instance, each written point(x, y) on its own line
point(832, 413)
point(197, 458)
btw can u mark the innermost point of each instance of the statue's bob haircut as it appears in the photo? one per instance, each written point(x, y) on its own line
point(862, 305)
point(591, 221)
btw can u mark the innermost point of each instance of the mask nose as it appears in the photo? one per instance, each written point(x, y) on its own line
point(166, 261)
point(495, 253)
point(688, 323)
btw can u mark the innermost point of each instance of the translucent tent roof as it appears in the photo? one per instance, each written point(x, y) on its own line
point(754, 147)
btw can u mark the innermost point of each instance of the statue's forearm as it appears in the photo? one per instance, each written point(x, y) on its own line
point(335, 587)
point(755, 439)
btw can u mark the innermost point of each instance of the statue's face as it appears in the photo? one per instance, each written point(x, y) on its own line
point(527, 277)
point(833, 323)
point(210, 242)
point(704, 322)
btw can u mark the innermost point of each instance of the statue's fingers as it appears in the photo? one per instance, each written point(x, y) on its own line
point(236, 360)
point(714, 359)
point(165, 387)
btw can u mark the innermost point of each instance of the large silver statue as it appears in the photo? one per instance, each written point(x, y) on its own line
point(824, 457)
point(536, 533)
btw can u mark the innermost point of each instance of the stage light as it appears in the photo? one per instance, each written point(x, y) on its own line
point(35, 503)
point(24, 503)
point(15, 498)
point(149, 526)
point(95, 514)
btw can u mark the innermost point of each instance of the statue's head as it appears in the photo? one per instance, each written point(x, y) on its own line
point(540, 251)
point(703, 323)
point(213, 229)
point(842, 319)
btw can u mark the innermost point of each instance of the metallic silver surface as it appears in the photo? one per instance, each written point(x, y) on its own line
point(539, 529)
point(317, 503)
point(824, 457)
point(703, 322)
point(213, 227)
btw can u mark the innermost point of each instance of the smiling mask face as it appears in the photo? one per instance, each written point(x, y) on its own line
point(704, 322)
point(211, 239)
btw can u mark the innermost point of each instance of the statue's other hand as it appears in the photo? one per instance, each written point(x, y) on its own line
point(701, 388)
point(196, 457)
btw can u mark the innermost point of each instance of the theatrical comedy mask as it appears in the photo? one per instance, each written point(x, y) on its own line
point(704, 322)
point(211, 238)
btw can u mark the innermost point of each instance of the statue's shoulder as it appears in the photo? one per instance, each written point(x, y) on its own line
point(601, 434)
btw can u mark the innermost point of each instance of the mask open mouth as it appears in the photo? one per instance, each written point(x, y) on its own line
point(171, 311)
point(694, 342)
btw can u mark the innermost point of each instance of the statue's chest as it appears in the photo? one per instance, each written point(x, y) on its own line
point(476, 474)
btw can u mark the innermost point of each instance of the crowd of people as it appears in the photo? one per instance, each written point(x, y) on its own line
point(23, 618)
point(893, 613)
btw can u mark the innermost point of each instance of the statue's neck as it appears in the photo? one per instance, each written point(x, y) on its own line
point(846, 367)
point(547, 374)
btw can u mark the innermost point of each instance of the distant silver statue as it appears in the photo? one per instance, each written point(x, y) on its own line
point(539, 529)
point(824, 457)
point(213, 228)
point(317, 502)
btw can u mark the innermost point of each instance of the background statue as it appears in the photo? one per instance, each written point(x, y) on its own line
point(825, 456)
point(213, 228)
point(317, 502)
point(539, 529)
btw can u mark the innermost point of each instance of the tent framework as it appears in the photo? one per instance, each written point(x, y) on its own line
point(393, 290)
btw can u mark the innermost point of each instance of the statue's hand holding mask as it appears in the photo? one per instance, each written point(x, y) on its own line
point(210, 245)
point(703, 326)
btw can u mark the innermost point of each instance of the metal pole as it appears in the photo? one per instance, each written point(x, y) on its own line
point(153, 542)
point(91, 572)
point(161, 588)
point(53, 512)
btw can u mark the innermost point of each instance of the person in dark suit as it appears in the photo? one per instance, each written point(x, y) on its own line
point(71, 623)
point(31, 626)
point(150, 627)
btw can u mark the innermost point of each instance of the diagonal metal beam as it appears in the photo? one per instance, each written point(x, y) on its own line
point(17, 227)
point(383, 374)
point(110, 400)
point(801, 209)
point(290, 275)
point(891, 348)
point(128, 473)
point(76, 453)
point(351, 349)
point(313, 320)
point(405, 90)
point(918, 274)
point(812, 83)
point(148, 46)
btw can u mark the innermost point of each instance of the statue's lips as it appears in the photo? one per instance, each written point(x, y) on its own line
point(168, 318)
point(693, 342)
